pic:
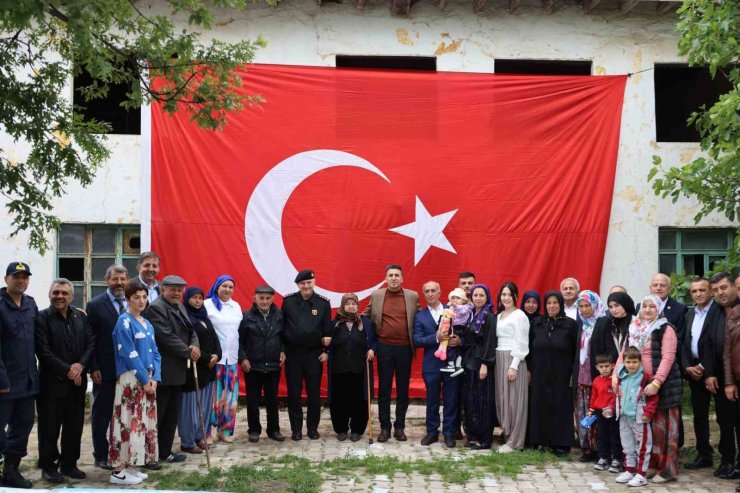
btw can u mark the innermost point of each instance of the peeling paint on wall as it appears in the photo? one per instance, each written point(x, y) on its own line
point(402, 35)
point(451, 48)
point(631, 195)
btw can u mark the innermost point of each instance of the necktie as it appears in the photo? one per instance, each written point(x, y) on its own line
point(121, 308)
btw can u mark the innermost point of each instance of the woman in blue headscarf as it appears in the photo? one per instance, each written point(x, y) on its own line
point(479, 356)
point(225, 315)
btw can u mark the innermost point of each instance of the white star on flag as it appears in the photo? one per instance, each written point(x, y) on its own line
point(427, 231)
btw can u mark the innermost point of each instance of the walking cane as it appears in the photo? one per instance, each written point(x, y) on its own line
point(369, 404)
point(200, 414)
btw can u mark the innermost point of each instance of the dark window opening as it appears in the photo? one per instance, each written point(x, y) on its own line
point(387, 62)
point(543, 67)
point(679, 91)
point(108, 108)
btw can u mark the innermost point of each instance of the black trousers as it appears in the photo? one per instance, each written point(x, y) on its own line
point(393, 360)
point(168, 414)
point(102, 412)
point(17, 416)
point(60, 414)
point(729, 432)
point(348, 405)
point(300, 367)
point(608, 442)
point(700, 401)
point(256, 382)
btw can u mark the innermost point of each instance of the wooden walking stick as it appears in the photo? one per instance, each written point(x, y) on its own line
point(200, 414)
point(369, 404)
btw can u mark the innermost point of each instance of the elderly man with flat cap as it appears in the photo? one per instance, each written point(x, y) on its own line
point(19, 378)
point(261, 356)
point(177, 342)
point(307, 318)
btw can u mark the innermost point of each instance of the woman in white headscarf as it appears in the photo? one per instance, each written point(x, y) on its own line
point(656, 339)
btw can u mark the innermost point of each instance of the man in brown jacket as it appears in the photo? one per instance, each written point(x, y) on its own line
point(392, 310)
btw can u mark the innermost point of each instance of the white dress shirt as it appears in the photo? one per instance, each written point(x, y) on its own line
point(513, 335)
point(436, 312)
point(571, 312)
point(226, 322)
point(699, 317)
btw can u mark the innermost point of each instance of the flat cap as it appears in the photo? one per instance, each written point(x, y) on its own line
point(264, 290)
point(16, 267)
point(173, 280)
point(304, 275)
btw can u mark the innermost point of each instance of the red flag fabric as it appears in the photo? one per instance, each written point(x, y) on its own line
point(344, 171)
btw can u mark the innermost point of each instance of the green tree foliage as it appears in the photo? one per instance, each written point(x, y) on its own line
point(43, 44)
point(710, 37)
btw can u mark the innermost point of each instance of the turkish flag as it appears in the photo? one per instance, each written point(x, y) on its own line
point(345, 171)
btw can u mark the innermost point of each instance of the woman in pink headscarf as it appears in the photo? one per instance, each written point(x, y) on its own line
point(651, 333)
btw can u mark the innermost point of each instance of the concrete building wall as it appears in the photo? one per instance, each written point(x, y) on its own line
point(303, 33)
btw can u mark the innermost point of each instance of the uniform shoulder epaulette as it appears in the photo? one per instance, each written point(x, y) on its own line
point(322, 297)
point(291, 294)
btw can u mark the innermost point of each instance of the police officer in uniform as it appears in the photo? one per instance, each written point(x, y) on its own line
point(307, 318)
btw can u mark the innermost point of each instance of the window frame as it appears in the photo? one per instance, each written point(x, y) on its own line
point(83, 290)
point(679, 251)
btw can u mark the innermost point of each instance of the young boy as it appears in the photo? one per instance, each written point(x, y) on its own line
point(635, 411)
point(603, 405)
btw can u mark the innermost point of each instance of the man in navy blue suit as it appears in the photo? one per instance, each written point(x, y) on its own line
point(426, 324)
point(102, 314)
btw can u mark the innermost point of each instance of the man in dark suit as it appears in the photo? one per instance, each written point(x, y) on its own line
point(19, 378)
point(725, 298)
point(392, 310)
point(426, 335)
point(65, 347)
point(102, 314)
point(674, 311)
point(177, 342)
point(697, 323)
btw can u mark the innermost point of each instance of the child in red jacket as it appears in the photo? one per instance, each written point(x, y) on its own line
point(602, 404)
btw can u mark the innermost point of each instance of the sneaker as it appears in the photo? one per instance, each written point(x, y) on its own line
point(449, 368)
point(625, 477)
point(458, 371)
point(658, 479)
point(135, 472)
point(637, 480)
point(124, 478)
point(615, 466)
point(173, 458)
point(601, 465)
point(504, 449)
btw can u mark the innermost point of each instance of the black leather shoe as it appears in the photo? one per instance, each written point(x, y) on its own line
point(430, 438)
point(174, 458)
point(12, 478)
point(153, 466)
point(52, 476)
point(480, 446)
point(314, 435)
point(458, 435)
point(341, 437)
point(587, 456)
point(699, 463)
point(297, 436)
point(276, 436)
point(724, 469)
point(450, 441)
point(399, 435)
point(73, 472)
point(385, 435)
point(103, 464)
point(355, 437)
point(734, 474)
point(254, 437)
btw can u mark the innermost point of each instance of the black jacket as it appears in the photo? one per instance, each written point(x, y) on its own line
point(102, 317)
point(174, 334)
point(714, 344)
point(61, 342)
point(209, 344)
point(306, 322)
point(18, 347)
point(602, 338)
point(687, 358)
point(261, 339)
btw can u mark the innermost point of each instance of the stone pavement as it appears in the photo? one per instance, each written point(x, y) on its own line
point(563, 476)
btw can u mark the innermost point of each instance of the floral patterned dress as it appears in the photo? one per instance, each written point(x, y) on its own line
point(133, 429)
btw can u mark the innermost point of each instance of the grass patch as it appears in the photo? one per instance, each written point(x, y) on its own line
point(290, 473)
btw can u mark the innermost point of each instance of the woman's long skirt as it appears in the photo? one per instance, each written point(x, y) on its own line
point(480, 410)
point(512, 400)
point(189, 425)
point(665, 442)
point(227, 394)
point(133, 428)
point(586, 436)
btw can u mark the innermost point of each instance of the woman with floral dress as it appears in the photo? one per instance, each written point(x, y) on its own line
point(133, 428)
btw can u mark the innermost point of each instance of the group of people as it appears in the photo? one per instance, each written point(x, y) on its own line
point(166, 359)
